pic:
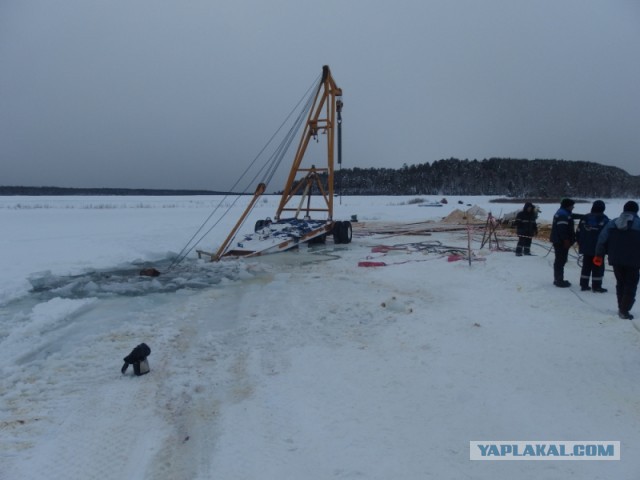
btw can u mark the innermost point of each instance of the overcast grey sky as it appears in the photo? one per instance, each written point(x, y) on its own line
point(183, 94)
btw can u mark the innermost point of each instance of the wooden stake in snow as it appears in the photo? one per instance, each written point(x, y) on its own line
point(468, 240)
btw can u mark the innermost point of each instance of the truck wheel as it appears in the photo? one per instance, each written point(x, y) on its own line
point(347, 231)
point(337, 232)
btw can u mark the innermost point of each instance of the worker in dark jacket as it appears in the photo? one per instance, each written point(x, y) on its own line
point(563, 236)
point(526, 228)
point(589, 229)
point(620, 240)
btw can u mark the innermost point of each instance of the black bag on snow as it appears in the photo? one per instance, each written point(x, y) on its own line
point(138, 358)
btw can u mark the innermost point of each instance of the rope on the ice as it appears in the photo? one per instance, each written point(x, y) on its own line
point(593, 307)
point(578, 256)
point(370, 263)
point(434, 247)
point(545, 247)
point(268, 170)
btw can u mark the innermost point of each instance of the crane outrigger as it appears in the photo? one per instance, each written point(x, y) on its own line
point(303, 184)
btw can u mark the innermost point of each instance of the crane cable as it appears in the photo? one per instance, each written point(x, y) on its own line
point(274, 162)
point(271, 167)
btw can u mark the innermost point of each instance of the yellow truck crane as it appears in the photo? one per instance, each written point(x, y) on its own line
point(305, 211)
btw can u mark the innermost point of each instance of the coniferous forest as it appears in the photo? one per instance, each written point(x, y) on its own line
point(494, 176)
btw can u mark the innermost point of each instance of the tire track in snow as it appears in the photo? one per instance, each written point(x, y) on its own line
point(215, 372)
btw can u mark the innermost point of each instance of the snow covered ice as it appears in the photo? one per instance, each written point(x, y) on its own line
point(299, 365)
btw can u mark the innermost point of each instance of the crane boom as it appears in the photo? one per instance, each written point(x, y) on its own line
point(302, 182)
point(322, 119)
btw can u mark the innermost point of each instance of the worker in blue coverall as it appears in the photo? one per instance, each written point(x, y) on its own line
point(589, 228)
point(620, 241)
point(563, 236)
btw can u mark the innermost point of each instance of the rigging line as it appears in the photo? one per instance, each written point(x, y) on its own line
point(269, 168)
point(289, 139)
point(279, 155)
point(272, 165)
point(188, 247)
point(293, 110)
point(286, 143)
point(238, 197)
point(262, 150)
point(282, 148)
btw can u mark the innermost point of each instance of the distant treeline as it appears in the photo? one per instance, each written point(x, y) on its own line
point(495, 176)
point(54, 191)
